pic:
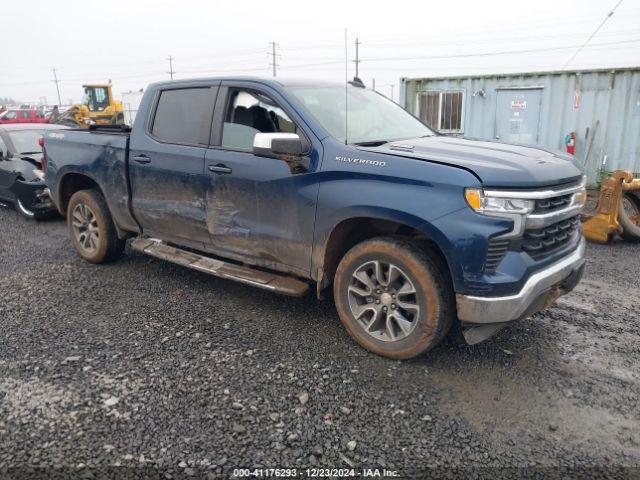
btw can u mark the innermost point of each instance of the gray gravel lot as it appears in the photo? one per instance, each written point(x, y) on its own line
point(150, 366)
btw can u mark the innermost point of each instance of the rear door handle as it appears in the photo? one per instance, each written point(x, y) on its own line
point(142, 159)
point(220, 169)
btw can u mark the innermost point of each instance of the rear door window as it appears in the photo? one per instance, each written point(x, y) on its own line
point(184, 116)
point(250, 112)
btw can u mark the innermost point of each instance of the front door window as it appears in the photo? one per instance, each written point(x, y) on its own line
point(252, 112)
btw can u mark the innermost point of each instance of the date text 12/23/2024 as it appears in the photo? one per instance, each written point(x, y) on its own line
point(314, 473)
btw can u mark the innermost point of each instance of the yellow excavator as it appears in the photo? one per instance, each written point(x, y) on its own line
point(98, 107)
point(615, 210)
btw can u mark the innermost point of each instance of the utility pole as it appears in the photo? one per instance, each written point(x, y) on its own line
point(57, 82)
point(170, 72)
point(273, 56)
point(357, 60)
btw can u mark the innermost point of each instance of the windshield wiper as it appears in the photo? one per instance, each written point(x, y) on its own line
point(373, 143)
point(30, 153)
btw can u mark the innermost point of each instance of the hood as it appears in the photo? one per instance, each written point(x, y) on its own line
point(495, 164)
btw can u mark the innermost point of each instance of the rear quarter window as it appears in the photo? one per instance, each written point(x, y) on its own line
point(183, 116)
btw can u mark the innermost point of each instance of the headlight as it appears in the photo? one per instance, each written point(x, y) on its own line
point(488, 205)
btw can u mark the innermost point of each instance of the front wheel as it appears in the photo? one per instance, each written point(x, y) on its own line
point(91, 228)
point(393, 297)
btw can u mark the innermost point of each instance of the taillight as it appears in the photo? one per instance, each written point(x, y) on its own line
point(43, 161)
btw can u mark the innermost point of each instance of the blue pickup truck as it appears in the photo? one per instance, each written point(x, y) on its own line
point(291, 185)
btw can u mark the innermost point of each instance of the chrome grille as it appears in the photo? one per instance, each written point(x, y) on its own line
point(542, 241)
point(546, 205)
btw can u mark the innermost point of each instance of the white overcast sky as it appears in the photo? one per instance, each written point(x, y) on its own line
point(129, 41)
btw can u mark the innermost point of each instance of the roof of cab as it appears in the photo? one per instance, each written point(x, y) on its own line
point(279, 82)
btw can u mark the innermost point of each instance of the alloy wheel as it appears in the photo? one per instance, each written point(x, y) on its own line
point(85, 228)
point(383, 299)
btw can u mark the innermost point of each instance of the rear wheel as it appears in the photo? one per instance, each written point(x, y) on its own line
point(629, 217)
point(393, 297)
point(91, 228)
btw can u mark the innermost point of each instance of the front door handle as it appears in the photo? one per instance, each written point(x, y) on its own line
point(220, 169)
point(142, 159)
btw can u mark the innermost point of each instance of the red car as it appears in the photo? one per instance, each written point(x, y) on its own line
point(23, 116)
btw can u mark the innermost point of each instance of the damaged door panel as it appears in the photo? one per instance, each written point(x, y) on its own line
point(167, 165)
point(259, 207)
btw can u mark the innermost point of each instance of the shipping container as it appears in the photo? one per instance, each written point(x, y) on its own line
point(596, 110)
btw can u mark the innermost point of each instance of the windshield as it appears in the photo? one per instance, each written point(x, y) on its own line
point(371, 117)
point(26, 141)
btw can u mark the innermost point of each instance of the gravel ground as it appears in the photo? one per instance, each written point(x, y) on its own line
point(143, 368)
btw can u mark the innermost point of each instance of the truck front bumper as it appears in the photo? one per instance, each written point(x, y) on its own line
point(539, 292)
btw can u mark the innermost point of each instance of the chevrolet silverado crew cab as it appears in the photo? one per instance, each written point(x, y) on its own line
point(291, 185)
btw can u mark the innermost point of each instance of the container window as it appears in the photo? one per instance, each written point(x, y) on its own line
point(442, 110)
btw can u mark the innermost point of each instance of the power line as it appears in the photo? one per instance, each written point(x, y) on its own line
point(241, 55)
point(57, 82)
point(609, 15)
point(170, 72)
point(273, 55)
point(489, 54)
point(158, 73)
point(461, 55)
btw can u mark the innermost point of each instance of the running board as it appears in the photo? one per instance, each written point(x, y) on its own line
point(257, 278)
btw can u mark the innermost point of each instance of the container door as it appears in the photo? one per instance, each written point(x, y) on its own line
point(518, 115)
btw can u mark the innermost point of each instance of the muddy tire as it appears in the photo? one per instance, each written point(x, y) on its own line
point(629, 217)
point(394, 298)
point(91, 228)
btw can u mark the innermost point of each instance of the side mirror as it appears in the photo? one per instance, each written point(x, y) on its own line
point(287, 147)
